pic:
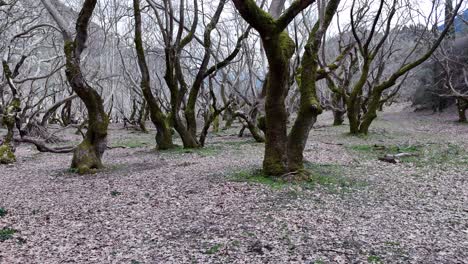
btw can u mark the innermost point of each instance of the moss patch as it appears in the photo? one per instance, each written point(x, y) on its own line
point(208, 151)
point(3, 212)
point(7, 233)
point(6, 155)
point(131, 143)
point(330, 176)
point(214, 249)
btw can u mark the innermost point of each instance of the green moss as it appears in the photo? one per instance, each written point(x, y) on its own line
point(216, 124)
point(328, 176)
point(7, 233)
point(69, 47)
point(209, 151)
point(287, 45)
point(214, 249)
point(237, 144)
point(131, 143)
point(273, 164)
point(115, 193)
point(257, 176)
point(6, 155)
point(265, 19)
point(374, 259)
point(85, 160)
point(3, 212)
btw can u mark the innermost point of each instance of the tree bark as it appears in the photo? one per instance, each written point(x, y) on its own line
point(88, 154)
point(462, 106)
point(279, 48)
point(309, 104)
point(9, 117)
point(161, 122)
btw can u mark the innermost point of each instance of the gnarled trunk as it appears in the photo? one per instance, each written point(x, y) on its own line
point(163, 135)
point(279, 49)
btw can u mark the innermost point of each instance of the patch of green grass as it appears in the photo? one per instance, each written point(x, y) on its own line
point(130, 143)
point(392, 243)
point(332, 177)
point(445, 154)
point(72, 170)
point(327, 175)
point(374, 259)
point(115, 193)
point(425, 155)
point(392, 149)
point(208, 151)
point(375, 151)
point(237, 144)
point(7, 233)
point(214, 249)
point(236, 243)
point(257, 176)
point(3, 212)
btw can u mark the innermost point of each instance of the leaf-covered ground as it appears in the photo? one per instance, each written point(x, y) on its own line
point(212, 205)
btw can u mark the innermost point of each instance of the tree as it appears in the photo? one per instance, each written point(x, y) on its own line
point(370, 45)
point(164, 132)
point(9, 119)
point(88, 154)
point(282, 153)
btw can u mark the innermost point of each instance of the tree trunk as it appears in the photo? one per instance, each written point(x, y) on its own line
point(462, 106)
point(279, 49)
point(88, 154)
point(309, 104)
point(143, 116)
point(7, 150)
point(163, 135)
point(172, 70)
point(338, 112)
point(9, 116)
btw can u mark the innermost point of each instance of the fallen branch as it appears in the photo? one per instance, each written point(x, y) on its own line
point(395, 158)
point(42, 147)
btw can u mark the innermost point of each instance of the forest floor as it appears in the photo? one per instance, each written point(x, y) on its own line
point(212, 206)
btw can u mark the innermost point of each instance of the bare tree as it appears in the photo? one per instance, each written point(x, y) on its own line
point(88, 154)
point(370, 45)
point(283, 154)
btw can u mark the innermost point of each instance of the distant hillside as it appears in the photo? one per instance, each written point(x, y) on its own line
point(461, 27)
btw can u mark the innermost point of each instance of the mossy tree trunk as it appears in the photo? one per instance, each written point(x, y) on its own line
point(309, 107)
point(279, 48)
point(338, 111)
point(160, 121)
point(9, 118)
point(177, 95)
point(88, 154)
point(174, 76)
